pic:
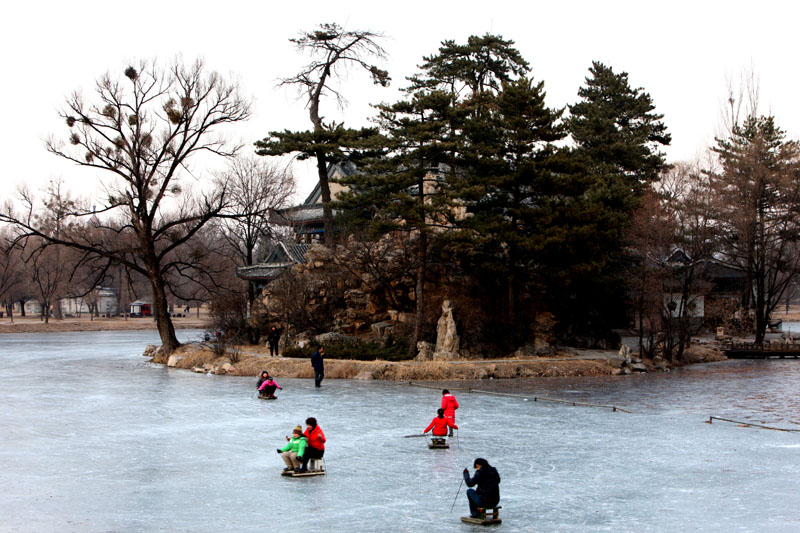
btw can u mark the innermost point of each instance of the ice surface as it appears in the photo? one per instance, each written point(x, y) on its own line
point(93, 438)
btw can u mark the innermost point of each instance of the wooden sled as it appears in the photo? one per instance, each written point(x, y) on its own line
point(314, 469)
point(489, 516)
point(267, 397)
point(438, 443)
point(309, 473)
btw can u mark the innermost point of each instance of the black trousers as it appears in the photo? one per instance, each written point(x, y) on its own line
point(311, 453)
point(318, 376)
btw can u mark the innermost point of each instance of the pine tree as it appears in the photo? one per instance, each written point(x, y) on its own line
point(616, 136)
point(397, 187)
point(758, 190)
point(511, 169)
point(413, 188)
point(332, 48)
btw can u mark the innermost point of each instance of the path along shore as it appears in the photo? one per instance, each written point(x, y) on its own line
point(36, 325)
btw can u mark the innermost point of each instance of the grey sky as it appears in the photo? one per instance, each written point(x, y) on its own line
point(682, 53)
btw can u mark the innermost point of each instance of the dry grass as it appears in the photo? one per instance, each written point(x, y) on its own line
point(196, 356)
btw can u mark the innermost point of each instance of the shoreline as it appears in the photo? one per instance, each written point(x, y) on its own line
point(569, 363)
point(35, 325)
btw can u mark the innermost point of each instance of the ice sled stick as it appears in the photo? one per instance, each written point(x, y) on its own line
point(459, 490)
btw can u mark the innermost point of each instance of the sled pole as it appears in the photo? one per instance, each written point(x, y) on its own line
point(457, 492)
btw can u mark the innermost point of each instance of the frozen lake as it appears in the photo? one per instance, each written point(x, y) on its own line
point(93, 438)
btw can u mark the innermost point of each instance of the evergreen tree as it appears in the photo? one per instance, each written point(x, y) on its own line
point(758, 194)
point(414, 188)
point(332, 48)
point(471, 71)
point(511, 168)
point(397, 186)
point(438, 141)
point(616, 136)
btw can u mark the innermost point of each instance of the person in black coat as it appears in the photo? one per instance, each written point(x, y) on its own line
point(319, 366)
point(488, 481)
point(273, 338)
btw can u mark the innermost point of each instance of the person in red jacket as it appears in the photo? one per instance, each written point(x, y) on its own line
point(440, 424)
point(316, 442)
point(449, 404)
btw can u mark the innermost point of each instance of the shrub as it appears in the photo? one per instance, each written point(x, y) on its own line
point(355, 350)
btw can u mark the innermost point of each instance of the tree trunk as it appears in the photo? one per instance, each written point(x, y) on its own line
point(325, 189)
point(419, 291)
point(166, 330)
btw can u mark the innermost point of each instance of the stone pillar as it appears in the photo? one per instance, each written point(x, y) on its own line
point(447, 341)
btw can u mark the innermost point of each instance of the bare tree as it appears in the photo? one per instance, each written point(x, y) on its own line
point(142, 131)
point(11, 270)
point(651, 237)
point(48, 274)
point(333, 50)
point(257, 188)
point(689, 201)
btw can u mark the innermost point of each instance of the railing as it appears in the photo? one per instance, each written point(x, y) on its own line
point(770, 347)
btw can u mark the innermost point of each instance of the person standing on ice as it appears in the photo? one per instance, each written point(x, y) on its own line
point(319, 366)
point(488, 494)
point(273, 338)
point(449, 405)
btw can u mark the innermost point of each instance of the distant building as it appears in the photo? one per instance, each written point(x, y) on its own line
point(104, 298)
point(306, 219)
point(141, 308)
point(308, 227)
point(713, 283)
point(282, 256)
point(32, 307)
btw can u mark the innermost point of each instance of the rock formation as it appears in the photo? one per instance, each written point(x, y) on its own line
point(447, 341)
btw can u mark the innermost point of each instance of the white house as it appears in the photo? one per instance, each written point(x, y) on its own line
point(105, 299)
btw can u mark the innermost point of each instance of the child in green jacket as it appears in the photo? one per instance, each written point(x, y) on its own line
point(294, 450)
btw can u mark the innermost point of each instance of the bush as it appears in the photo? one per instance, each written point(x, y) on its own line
point(228, 313)
point(355, 350)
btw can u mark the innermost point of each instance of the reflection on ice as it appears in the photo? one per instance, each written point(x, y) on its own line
point(94, 439)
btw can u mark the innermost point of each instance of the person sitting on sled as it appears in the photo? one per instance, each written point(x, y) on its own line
point(262, 379)
point(267, 388)
point(292, 454)
point(488, 494)
point(440, 424)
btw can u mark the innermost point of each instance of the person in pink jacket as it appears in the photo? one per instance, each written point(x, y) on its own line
point(268, 387)
point(449, 404)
